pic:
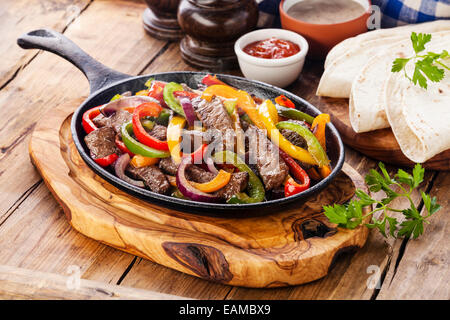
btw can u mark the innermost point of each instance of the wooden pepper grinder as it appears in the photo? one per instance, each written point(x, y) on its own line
point(160, 19)
point(211, 28)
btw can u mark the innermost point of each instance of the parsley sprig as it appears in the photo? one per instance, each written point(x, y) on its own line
point(402, 184)
point(426, 65)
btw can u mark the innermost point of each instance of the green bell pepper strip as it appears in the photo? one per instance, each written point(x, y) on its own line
point(255, 186)
point(294, 114)
point(314, 147)
point(170, 99)
point(139, 148)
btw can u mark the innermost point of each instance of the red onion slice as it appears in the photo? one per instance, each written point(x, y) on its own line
point(187, 189)
point(188, 110)
point(124, 102)
point(119, 168)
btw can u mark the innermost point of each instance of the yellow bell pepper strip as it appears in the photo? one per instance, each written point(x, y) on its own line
point(318, 126)
point(139, 148)
point(320, 123)
point(176, 125)
point(219, 181)
point(244, 100)
point(314, 148)
point(278, 139)
point(142, 93)
point(139, 161)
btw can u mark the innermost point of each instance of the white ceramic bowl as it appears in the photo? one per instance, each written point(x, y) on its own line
point(278, 72)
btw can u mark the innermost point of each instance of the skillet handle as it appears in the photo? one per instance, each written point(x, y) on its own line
point(98, 75)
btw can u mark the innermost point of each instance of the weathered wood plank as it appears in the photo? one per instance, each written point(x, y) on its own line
point(151, 276)
point(48, 81)
point(37, 236)
point(19, 16)
point(20, 283)
point(423, 271)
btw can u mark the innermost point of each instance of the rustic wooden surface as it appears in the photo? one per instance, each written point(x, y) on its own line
point(293, 246)
point(35, 235)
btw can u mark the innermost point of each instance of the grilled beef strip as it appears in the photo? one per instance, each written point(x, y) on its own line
point(101, 142)
point(215, 118)
point(265, 155)
point(159, 132)
point(293, 136)
point(100, 121)
point(152, 176)
point(238, 183)
point(168, 166)
point(118, 119)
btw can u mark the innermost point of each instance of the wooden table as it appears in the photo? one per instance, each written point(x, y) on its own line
point(41, 256)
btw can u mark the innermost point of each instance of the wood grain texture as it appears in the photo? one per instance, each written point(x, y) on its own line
point(282, 249)
point(20, 16)
point(379, 144)
point(20, 284)
point(423, 271)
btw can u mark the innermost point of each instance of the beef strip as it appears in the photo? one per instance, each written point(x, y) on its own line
point(265, 155)
point(238, 183)
point(101, 142)
point(100, 121)
point(215, 118)
point(118, 119)
point(293, 136)
point(152, 176)
point(159, 132)
point(197, 174)
point(168, 166)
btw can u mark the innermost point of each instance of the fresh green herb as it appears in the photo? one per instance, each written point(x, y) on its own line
point(402, 184)
point(426, 65)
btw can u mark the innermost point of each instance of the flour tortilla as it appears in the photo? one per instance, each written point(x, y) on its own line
point(403, 31)
point(419, 118)
point(366, 104)
point(340, 72)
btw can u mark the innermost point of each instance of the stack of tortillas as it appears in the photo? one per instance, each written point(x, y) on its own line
point(359, 68)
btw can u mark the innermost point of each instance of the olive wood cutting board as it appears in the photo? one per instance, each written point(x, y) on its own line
point(379, 144)
point(290, 247)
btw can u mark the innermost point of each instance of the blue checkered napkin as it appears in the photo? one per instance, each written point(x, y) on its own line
point(399, 12)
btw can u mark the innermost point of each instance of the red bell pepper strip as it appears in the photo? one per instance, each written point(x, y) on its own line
point(156, 92)
point(285, 102)
point(210, 80)
point(296, 170)
point(291, 187)
point(108, 160)
point(122, 147)
point(148, 109)
point(187, 94)
point(88, 124)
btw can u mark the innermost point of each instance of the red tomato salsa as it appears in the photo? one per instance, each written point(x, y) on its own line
point(272, 48)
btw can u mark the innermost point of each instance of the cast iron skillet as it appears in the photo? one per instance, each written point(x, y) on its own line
point(105, 83)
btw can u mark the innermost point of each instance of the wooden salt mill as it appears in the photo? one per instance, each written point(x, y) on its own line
point(211, 28)
point(160, 19)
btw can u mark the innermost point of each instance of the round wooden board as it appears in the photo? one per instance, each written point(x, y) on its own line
point(380, 144)
point(290, 247)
